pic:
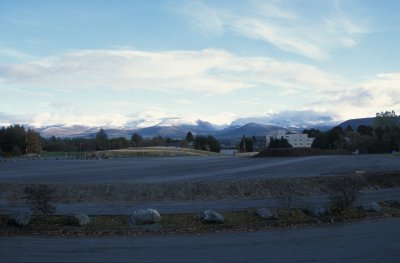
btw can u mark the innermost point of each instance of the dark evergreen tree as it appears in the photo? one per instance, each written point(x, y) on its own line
point(387, 118)
point(213, 144)
point(32, 140)
point(136, 140)
point(312, 133)
point(101, 140)
point(279, 143)
point(246, 144)
point(206, 143)
point(189, 136)
point(365, 130)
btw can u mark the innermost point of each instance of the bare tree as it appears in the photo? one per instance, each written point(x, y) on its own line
point(287, 192)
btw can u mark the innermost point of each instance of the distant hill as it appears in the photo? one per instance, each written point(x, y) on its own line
point(362, 121)
point(249, 129)
point(354, 123)
point(176, 131)
point(164, 131)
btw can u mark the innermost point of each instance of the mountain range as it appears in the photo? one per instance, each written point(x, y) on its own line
point(177, 128)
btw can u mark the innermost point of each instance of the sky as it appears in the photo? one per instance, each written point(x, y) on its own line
point(112, 62)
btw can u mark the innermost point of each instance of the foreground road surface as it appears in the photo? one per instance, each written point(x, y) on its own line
point(171, 169)
point(368, 241)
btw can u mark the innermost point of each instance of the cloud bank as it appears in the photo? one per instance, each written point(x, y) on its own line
point(209, 70)
point(214, 72)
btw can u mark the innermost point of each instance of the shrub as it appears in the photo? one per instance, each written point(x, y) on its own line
point(287, 192)
point(38, 197)
point(344, 191)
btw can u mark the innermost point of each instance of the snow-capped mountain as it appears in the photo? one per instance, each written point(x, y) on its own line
point(290, 119)
point(177, 127)
point(249, 129)
point(66, 131)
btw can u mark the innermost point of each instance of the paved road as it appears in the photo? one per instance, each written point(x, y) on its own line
point(152, 170)
point(367, 241)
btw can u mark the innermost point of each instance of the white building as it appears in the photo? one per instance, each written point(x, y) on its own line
point(297, 140)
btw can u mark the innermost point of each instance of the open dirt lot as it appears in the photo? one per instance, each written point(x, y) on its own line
point(188, 169)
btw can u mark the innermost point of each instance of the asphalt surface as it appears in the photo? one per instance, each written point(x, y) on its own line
point(166, 169)
point(367, 241)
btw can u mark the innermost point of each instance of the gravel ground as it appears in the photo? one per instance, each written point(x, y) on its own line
point(188, 169)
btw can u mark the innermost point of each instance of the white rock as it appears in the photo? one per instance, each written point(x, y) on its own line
point(318, 210)
point(372, 207)
point(144, 217)
point(77, 219)
point(211, 216)
point(266, 213)
point(20, 218)
point(82, 219)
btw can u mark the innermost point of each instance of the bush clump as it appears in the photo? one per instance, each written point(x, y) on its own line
point(39, 198)
point(344, 191)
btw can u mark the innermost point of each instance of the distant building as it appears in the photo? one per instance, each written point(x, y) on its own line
point(297, 140)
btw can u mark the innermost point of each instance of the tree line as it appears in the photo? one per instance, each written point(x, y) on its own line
point(382, 137)
point(16, 140)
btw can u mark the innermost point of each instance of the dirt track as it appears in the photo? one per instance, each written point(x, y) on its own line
point(189, 169)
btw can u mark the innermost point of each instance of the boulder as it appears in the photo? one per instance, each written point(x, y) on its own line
point(19, 218)
point(266, 213)
point(144, 217)
point(211, 216)
point(371, 207)
point(318, 210)
point(83, 219)
point(77, 220)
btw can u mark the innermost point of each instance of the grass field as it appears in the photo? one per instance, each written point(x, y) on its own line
point(153, 152)
point(159, 151)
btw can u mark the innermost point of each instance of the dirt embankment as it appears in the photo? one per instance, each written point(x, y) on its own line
point(184, 191)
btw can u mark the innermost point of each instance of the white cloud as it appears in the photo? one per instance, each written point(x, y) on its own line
point(280, 24)
point(183, 102)
point(220, 118)
point(292, 118)
point(384, 90)
point(106, 119)
point(380, 93)
point(10, 119)
point(9, 52)
point(211, 71)
point(287, 85)
point(204, 18)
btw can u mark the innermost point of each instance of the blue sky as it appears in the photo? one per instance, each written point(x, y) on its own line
point(112, 62)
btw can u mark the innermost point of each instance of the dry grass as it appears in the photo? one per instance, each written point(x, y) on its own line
point(153, 152)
